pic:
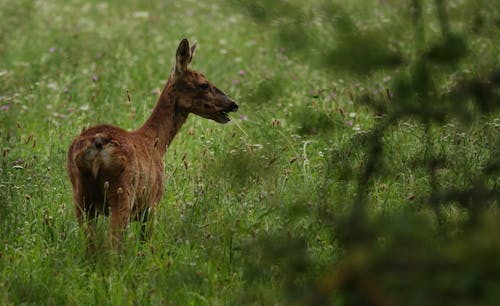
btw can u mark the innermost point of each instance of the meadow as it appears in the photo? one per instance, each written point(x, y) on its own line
point(362, 167)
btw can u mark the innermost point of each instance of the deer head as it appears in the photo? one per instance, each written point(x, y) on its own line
point(196, 94)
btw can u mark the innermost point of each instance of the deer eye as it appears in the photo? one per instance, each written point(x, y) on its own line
point(204, 86)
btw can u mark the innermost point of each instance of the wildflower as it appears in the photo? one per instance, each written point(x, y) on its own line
point(52, 49)
point(141, 14)
point(84, 107)
point(236, 81)
point(242, 72)
point(59, 116)
point(5, 108)
point(53, 86)
point(243, 117)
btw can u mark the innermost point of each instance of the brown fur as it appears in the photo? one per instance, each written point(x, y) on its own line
point(116, 172)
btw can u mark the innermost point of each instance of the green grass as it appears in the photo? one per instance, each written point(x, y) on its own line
point(253, 210)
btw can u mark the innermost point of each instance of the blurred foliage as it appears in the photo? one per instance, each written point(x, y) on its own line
point(442, 246)
point(361, 169)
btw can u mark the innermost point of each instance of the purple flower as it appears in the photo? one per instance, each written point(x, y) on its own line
point(95, 78)
point(59, 116)
point(242, 72)
point(236, 82)
point(52, 49)
point(5, 107)
point(243, 117)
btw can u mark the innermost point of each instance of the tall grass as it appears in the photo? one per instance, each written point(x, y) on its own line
point(257, 211)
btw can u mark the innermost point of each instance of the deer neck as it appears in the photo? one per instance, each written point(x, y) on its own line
point(165, 120)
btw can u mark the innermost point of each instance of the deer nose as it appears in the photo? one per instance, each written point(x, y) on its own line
point(233, 107)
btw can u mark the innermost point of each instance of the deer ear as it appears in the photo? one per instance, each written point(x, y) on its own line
point(183, 56)
point(193, 49)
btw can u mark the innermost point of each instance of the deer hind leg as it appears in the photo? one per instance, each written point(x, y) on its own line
point(90, 231)
point(147, 224)
point(87, 219)
point(120, 209)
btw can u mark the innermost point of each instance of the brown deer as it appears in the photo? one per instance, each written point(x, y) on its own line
point(116, 172)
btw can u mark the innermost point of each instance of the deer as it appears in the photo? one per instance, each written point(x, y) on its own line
point(119, 173)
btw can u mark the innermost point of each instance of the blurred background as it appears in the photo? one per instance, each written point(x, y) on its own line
point(362, 167)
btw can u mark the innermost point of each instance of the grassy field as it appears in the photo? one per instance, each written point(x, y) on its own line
point(263, 210)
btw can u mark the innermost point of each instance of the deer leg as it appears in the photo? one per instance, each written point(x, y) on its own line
point(90, 231)
point(146, 231)
point(87, 220)
point(120, 216)
point(147, 224)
